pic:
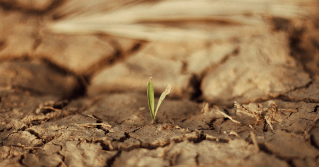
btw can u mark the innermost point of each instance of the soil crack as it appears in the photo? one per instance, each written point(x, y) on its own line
point(62, 157)
point(111, 161)
point(34, 133)
point(102, 127)
point(196, 159)
point(21, 160)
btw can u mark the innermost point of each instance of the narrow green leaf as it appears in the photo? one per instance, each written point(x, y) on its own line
point(163, 95)
point(150, 97)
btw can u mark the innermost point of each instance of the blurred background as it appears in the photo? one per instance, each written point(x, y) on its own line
point(210, 50)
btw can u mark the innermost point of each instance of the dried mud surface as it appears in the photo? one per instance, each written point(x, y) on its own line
point(248, 98)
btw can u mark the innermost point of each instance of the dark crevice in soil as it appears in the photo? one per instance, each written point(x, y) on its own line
point(103, 145)
point(301, 87)
point(3, 140)
point(34, 133)
point(234, 53)
point(287, 99)
point(45, 111)
point(200, 138)
point(184, 67)
point(109, 61)
point(313, 142)
point(309, 100)
point(101, 128)
point(133, 131)
point(117, 55)
point(225, 119)
point(21, 160)
point(6, 129)
point(148, 146)
point(58, 144)
point(300, 52)
point(290, 163)
point(98, 120)
point(153, 147)
point(137, 47)
point(194, 86)
point(23, 128)
point(306, 119)
point(60, 164)
point(264, 149)
point(63, 157)
point(289, 131)
point(265, 126)
point(111, 161)
point(125, 137)
point(210, 124)
point(55, 67)
point(196, 159)
point(48, 139)
point(60, 104)
point(316, 108)
point(106, 131)
point(80, 90)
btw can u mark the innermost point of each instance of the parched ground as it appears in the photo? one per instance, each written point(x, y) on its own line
point(73, 77)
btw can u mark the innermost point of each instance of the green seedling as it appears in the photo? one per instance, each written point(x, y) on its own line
point(150, 97)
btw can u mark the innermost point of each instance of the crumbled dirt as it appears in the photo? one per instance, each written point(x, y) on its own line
point(73, 78)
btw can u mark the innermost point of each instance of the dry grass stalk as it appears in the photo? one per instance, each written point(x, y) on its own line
point(268, 120)
point(227, 116)
point(205, 108)
point(179, 19)
point(254, 139)
point(254, 114)
point(268, 113)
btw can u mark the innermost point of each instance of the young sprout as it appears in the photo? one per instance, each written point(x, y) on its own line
point(150, 97)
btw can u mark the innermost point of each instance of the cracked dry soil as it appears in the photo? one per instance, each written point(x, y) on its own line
point(244, 97)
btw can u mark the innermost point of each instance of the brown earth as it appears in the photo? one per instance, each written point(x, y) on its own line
point(73, 77)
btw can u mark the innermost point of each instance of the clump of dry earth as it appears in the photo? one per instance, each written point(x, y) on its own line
point(73, 80)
